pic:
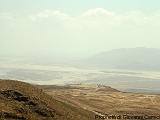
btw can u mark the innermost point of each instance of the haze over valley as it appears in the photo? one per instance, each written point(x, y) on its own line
point(79, 59)
point(121, 68)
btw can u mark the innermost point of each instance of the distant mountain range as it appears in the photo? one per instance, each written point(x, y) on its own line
point(127, 58)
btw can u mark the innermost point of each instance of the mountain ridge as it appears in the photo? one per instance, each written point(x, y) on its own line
point(140, 58)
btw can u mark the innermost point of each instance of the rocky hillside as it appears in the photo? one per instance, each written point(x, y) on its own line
point(22, 101)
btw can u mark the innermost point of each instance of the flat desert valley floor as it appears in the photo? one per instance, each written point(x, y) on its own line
point(124, 80)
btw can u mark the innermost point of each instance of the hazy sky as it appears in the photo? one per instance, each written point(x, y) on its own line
point(77, 27)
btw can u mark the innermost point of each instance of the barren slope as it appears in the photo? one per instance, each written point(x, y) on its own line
point(105, 100)
point(22, 101)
